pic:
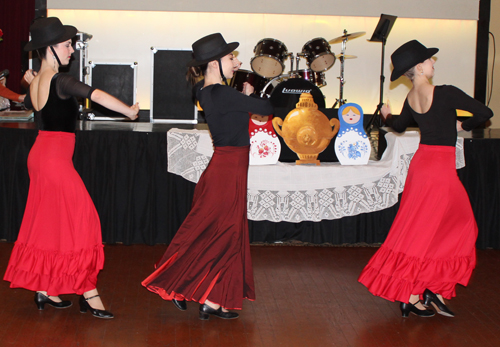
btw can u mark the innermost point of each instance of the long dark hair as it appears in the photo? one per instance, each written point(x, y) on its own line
point(42, 52)
point(195, 76)
point(196, 73)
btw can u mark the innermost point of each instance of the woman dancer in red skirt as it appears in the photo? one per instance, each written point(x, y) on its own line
point(431, 244)
point(208, 260)
point(59, 248)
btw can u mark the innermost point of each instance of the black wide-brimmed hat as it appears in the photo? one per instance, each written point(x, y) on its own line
point(47, 32)
point(409, 55)
point(211, 47)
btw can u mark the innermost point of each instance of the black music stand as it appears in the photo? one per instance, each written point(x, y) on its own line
point(380, 34)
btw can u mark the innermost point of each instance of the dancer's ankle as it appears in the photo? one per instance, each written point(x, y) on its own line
point(212, 305)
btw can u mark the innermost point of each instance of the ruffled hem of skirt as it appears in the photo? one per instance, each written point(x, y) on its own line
point(395, 276)
point(55, 272)
point(196, 294)
point(173, 295)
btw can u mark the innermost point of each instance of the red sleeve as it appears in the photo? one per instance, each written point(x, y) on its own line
point(9, 94)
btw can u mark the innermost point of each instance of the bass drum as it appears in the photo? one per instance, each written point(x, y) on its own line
point(241, 76)
point(287, 93)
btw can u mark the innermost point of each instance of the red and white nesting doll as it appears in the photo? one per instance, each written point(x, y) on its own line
point(265, 147)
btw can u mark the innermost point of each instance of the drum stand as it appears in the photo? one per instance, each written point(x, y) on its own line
point(294, 72)
point(299, 55)
point(290, 55)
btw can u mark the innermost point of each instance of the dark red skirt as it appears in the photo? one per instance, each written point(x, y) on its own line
point(59, 247)
point(431, 243)
point(209, 257)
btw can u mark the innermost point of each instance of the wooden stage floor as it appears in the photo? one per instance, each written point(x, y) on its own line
point(306, 296)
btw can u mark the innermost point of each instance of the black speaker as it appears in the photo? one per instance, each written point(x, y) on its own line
point(117, 79)
point(171, 94)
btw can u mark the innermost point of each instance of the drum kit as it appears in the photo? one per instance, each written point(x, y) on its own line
point(284, 89)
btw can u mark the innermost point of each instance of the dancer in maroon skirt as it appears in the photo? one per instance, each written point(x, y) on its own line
point(431, 244)
point(59, 248)
point(208, 261)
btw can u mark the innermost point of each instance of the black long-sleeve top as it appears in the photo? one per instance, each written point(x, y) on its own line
point(60, 112)
point(227, 113)
point(438, 125)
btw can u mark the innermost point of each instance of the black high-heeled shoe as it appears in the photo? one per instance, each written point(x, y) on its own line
point(431, 298)
point(41, 300)
point(84, 306)
point(181, 305)
point(206, 311)
point(407, 308)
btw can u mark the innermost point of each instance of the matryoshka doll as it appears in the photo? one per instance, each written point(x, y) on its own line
point(352, 146)
point(265, 147)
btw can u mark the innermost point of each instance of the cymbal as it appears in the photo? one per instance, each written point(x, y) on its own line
point(345, 56)
point(347, 36)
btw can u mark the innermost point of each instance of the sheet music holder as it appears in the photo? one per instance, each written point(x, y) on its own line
point(384, 26)
point(380, 34)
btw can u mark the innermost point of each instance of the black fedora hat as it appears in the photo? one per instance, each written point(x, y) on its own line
point(47, 32)
point(409, 55)
point(211, 47)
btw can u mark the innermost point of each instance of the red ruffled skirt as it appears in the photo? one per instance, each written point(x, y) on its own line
point(59, 248)
point(209, 257)
point(431, 243)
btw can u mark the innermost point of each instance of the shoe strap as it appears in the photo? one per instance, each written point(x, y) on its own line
point(92, 297)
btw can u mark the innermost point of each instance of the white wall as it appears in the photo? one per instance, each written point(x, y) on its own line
point(444, 9)
point(127, 36)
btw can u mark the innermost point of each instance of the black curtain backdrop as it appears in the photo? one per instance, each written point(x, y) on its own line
point(15, 20)
point(138, 201)
point(481, 179)
point(125, 172)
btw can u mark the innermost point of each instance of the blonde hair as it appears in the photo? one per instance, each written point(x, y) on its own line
point(410, 73)
point(350, 108)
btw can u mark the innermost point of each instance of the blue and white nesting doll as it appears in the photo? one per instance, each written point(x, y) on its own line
point(352, 146)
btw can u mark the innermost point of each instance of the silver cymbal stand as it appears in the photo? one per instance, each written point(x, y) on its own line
point(341, 101)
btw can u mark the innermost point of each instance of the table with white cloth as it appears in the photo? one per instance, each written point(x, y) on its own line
point(286, 192)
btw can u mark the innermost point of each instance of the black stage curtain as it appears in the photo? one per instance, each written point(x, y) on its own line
point(125, 172)
point(126, 175)
point(364, 228)
point(138, 201)
point(15, 145)
point(481, 179)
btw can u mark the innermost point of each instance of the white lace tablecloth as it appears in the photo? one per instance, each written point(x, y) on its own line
point(296, 193)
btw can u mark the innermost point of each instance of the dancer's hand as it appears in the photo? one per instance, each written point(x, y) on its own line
point(134, 110)
point(248, 88)
point(385, 111)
